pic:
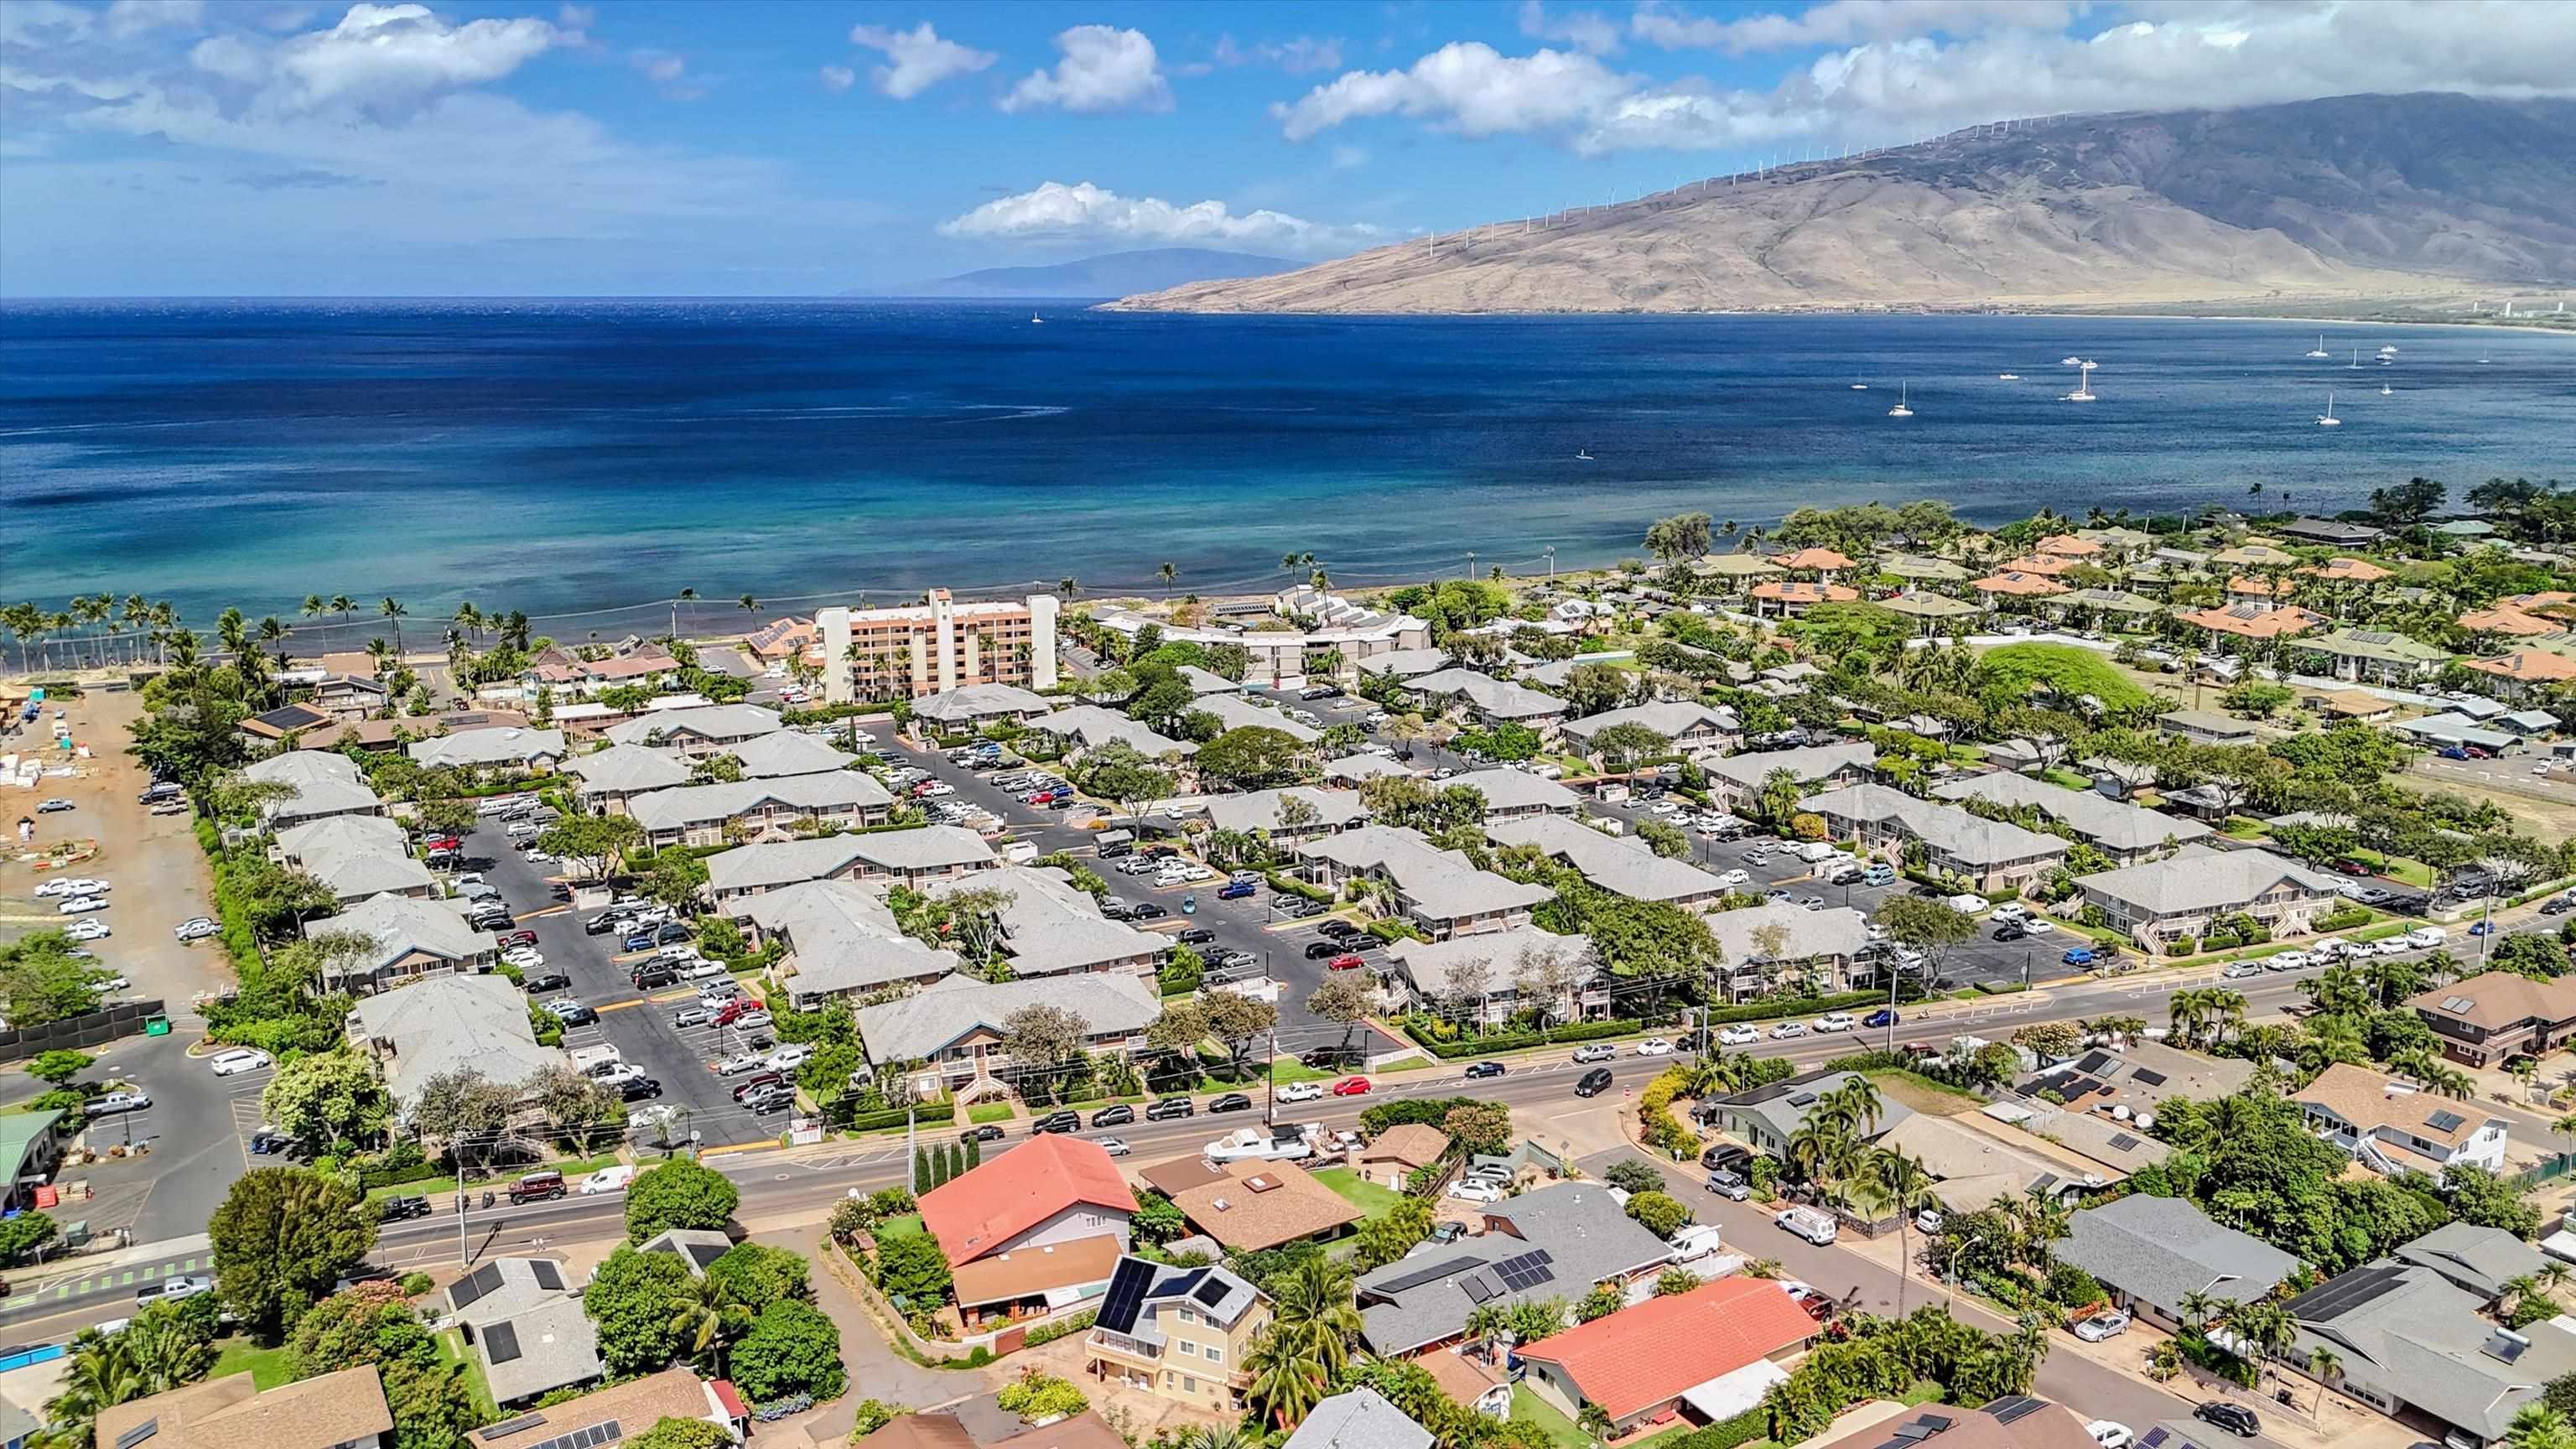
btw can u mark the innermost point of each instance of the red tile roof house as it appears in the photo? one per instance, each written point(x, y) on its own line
point(1709, 1353)
point(1053, 1189)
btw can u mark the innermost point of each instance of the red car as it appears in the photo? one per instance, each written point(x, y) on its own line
point(1344, 962)
point(2351, 867)
point(1037, 797)
point(509, 939)
point(442, 842)
point(1351, 1087)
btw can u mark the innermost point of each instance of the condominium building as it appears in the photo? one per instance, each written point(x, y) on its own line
point(936, 646)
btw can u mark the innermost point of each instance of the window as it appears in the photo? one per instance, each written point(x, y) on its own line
point(1187, 1348)
point(1215, 1354)
point(1189, 1385)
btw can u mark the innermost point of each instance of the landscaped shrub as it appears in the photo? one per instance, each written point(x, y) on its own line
point(1443, 1039)
point(1804, 1006)
point(2072, 1287)
point(2343, 918)
point(1050, 1332)
point(928, 1114)
point(2182, 946)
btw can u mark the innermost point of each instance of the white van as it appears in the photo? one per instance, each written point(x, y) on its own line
point(2425, 938)
point(589, 1057)
point(1695, 1242)
point(1019, 852)
point(1817, 852)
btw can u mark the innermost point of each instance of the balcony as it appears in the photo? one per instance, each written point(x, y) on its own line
point(1118, 1345)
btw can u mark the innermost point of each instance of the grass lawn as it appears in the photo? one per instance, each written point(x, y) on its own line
point(983, 1112)
point(452, 1349)
point(572, 1168)
point(1922, 1094)
point(2060, 775)
point(1367, 1196)
point(267, 1367)
point(906, 1226)
point(1529, 1408)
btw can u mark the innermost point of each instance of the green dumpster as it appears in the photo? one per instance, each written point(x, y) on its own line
point(156, 1026)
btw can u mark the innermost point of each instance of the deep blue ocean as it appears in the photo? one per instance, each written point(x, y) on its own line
point(560, 457)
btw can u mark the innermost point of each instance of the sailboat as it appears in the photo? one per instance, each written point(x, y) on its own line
point(2329, 420)
point(2079, 362)
point(1901, 410)
point(2356, 359)
point(2083, 386)
point(1036, 321)
point(1860, 387)
point(2320, 350)
point(2383, 390)
point(1583, 455)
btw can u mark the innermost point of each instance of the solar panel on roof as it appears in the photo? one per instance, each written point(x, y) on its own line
point(139, 1433)
point(501, 1343)
point(508, 1427)
point(2013, 1406)
point(474, 1285)
point(2094, 1062)
point(705, 1254)
point(2456, 1003)
point(2123, 1142)
point(1126, 1294)
point(2046, 1181)
point(586, 1438)
point(2339, 1296)
point(2445, 1121)
point(1479, 1287)
point(548, 1276)
point(2147, 1078)
point(1522, 1273)
point(1419, 1276)
point(1213, 1291)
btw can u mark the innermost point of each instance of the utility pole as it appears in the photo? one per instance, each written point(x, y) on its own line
point(1270, 1077)
point(463, 1256)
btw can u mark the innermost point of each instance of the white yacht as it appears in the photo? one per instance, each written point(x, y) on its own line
point(2320, 349)
point(1036, 321)
point(2083, 386)
point(1860, 387)
point(1901, 410)
point(2383, 390)
point(2007, 377)
point(2329, 420)
point(1583, 455)
point(2079, 362)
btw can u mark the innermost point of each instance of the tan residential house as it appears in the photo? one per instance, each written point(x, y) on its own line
point(1177, 1333)
point(2488, 1018)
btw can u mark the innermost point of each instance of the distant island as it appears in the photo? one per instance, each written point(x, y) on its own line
point(2430, 200)
point(1113, 274)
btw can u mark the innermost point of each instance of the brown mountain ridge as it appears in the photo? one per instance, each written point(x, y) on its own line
point(2353, 197)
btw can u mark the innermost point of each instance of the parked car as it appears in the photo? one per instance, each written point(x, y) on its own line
point(1475, 1192)
point(1171, 1109)
point(1601, 1051)
point(401, 1209)
point(2236, 1419)
point(133, 1100)
point(755, 1082)
point(688, 1017)
point(1788, 1031)
point(1348, 961)
point(1301, 1092)
point(2078, 956)
point(1234, 890)
point(1194, 936)
point(2240, 970)
point(172, 1289)
point(539, 1187)
point(1114, 1116)
point(788, 1058)
point(1730, 1185)
point(238, 1060)
point(89, 928)
point(572, 1013)
point(1836, 1021)
point(1740, 1034)
point(608, 1179)
point(198, 928)
point(1884, 1016)
point(2111, 1434)
point(639, 1088)
point(2102, 1326)
point(1728, 1156)
point(739, 1063)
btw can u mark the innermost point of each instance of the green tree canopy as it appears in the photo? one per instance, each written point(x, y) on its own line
point(629, 1300)
point(679, 1194)
point(281, 1238)
point(792, 1348)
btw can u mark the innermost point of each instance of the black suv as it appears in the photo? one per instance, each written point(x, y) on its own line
point(575, 1013)
point(1118, 1116)
point(776, 1099)
point(671, 933)
point(1171, 1109)
point(981, 1132)
point(1230, 1102)
point(1195, 936)
point(639, 1089)
point(1340, 930)
point(1594, 1083)
point(1729, 1157)
point(650, 977)
point(396, 1209)
point(2236, 1419)
point(1324, 949)
point(1056, 1122)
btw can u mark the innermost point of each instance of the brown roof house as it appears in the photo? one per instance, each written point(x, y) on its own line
point(345, 1410)
point(2391, 1125)
point(1391, 1159)
point(1264, 1205)
point(2015, 1421)
point(636, 1405)
point(2488, 1018)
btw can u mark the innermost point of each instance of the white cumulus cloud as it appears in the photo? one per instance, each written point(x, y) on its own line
point(129, 18)
point(838, 78)
point(1084, 212)
point(1104, 69)
point(916, 59)
point(1466, 86)
point(1589, 31)
point(1844, 22)
point(397, 52)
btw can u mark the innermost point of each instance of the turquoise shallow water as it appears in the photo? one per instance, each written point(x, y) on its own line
point(576, 456)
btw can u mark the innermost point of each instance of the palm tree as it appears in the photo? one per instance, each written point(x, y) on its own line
point(314, 605)
point(1487, 1322)
point(1285, 1388)
point(344, 606)
point(2539, 1426)
point(1595, 1421)
point(1906, 1187)
point(273, 632)
point(747, 604)
point(1069, 586)
point(1167, 573)
point(705, 1314)
point(2325, 1364)
point(2197, 1307)
point(393, 611)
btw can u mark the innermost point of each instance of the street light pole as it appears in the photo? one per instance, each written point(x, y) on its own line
point(1954, 1268)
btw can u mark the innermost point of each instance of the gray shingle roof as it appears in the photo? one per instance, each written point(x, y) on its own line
point(1092, 726)
point(1236, 712)
point(1508, 790)
point(1587, 1235)
point(1427, 964)
point(1441, 884)
point(1356, 768)
point(1622, 865)
point(2199, 880)
point(688, 805)
point(1833, 931)
point(932, 1018)
point(1971, 839)
point(1491, 697)
point(1406, 663)
point(1359, 1419)
point(555, 1345)
point(1050, 927)
point(1809, 763)
point(626, 768)
point(1669, 718)
point(444, 1023)
point(972, 702)
point(1259, 810)
point(843, 939)
point(722, 723)
point(504, 1288)
point(2405, 1333)
point(507, 745)
point(2480, 1260)
point(930, 847)
point(401, 925)
point(786, 752)
point(326, 783)
point(1782, 1106)
point(2112, 824)
point(2160, 1248)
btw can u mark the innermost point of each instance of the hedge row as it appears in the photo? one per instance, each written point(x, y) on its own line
point(375, 1177)
point(1766, 1010)
point(1287, 885)
point(1744, 1428)
point(1062, 1327)
point(1516, 1040)
point(931, 1114)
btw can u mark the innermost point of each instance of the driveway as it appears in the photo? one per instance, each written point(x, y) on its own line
point(876, 1370)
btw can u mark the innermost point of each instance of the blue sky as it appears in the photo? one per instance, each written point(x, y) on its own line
point(170, 147)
